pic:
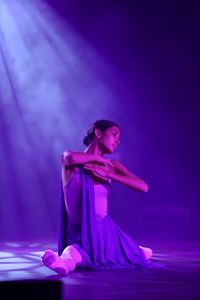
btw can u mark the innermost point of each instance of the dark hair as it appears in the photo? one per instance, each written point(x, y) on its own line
point(99, 124)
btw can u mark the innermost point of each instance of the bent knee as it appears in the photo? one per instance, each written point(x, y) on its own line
point(73, 252)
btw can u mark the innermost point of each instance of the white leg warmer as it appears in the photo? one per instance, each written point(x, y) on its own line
point(62, 264)
point(71, 257)
point(53, 262)
point(147, 252)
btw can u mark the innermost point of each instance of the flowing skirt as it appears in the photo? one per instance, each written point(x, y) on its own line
point(114, 249)
point(102, 244)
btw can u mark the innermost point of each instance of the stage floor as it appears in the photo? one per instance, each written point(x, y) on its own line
point(179, 280)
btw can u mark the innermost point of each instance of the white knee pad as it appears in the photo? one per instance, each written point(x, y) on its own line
point(72, 252)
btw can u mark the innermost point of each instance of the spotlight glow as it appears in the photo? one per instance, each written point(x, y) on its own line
point(53, 85)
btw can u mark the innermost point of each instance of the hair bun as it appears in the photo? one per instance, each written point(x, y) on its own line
point(86, 140)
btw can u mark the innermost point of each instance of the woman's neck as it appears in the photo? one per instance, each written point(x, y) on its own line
point(94, 149)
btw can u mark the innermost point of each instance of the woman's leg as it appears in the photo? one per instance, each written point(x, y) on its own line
point(62, 264)
point(72, 257)
point(53, 262)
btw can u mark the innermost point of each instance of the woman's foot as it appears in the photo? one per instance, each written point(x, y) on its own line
point(147, 252)
point(54, 262)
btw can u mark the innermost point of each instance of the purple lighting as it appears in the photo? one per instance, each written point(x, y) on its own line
point(51, 80)
point(65, 64)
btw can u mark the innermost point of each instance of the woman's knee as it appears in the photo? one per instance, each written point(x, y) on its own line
point(72, 252)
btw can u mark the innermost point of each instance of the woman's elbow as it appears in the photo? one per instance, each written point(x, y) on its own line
point(67, 158)
point(145, 188)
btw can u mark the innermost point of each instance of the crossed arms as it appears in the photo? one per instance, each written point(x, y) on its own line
point(104, 169)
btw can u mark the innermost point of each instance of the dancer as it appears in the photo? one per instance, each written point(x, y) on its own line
point(87, 234)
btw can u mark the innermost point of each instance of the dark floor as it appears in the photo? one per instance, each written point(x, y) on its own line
point(180, 279)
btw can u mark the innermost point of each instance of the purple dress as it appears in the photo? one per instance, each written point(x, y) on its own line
point(101, 242)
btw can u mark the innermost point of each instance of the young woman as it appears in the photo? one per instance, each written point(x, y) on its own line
point(87, 235)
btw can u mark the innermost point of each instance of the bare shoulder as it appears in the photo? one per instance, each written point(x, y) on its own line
point(67, 169)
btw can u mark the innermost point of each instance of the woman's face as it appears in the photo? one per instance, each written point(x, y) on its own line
point(110, 139)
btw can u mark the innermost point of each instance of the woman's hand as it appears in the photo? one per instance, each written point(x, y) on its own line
point(103, 161)
point(99, 171)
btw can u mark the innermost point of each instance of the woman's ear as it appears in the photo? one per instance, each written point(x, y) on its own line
point(98, 133)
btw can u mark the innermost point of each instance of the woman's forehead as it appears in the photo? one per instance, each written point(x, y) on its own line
point(115, 128)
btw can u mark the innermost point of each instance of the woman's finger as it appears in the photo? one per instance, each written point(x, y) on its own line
point(110, 164)
point(107, 162)
point(98, 175)
point(89, 168)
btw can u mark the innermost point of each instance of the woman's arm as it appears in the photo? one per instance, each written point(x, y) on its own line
point(123, 175)
point(131, 182)
point(69, 158)
point(118, 173)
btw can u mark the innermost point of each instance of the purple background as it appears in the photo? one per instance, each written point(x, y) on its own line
point(135, 63)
